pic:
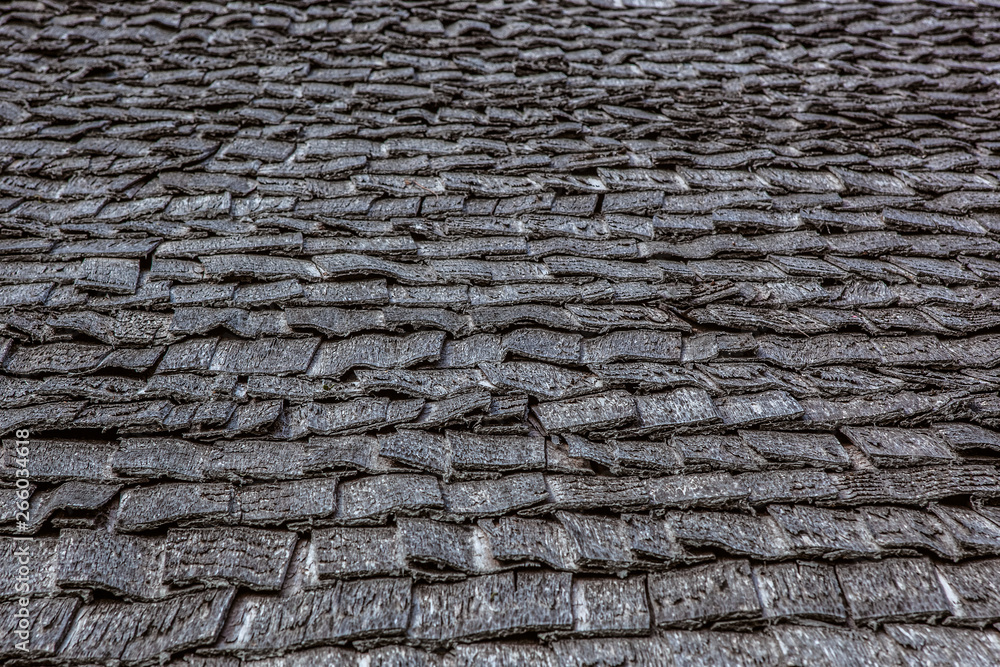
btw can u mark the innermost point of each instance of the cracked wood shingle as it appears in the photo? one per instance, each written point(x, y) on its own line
point(370, 499)
point(694, 596)
point(348, 610)
point(125, 565)
point(334, 358)
point(800, 590)
point(138, 632)
point(53, 617)
point(347, 553)
point(489, 497)
point(233, 556)
point(605, 606)
point(491, 606)
point(893, 590)
point(145, 508)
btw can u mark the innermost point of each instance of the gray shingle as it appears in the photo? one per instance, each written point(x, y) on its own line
point(892, 590)
point(551, 346)
point(607, 606)
point(739, 535)
point(284, 502)
point(606, 410)
point(145, 508)
point(234, 556)
point(540, 380)
point(346, 553)
point(113, 276)
point(265, 355)
point(334, 358)
point(691, 597)
point(349, 610)
point(138, 632)
point(227, 245)
point(370, 499)
point(895, 447)
point(816, 449)
point(522, 602)
point(974, 533)
point(52, 618)
point(903, 530)
point(800, 590)
point(687, 406)
point(499, 452)
point(710, 490)
point(635, 345)
point(124, 565)
point(336, 266)
point(268, 267)
point(432, 546)
point(494, 497)
point(827, 532)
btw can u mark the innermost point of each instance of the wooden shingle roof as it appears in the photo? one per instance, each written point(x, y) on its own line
point(555, 332)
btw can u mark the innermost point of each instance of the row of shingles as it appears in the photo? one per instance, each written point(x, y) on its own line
point(707, 54)
point(717, 45)
point(907, 406)
point(878, 452)
point(92, 327)
point(208, 202)
point(345, 155)
point(89, 576)
point(786, 645)
point(641, 412)
point(268, 150)
point(646, 413)
point(575, 542)
point(118, 274)
point(275, 199)
point(372, 499)
point(108, 268)
point(125, 327)
point(725, 593)
point(211, 244)
point(623, 226)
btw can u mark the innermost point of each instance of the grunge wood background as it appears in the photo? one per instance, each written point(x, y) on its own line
point(539, 333)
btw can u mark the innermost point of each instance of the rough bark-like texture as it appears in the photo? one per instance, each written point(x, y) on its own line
point(610, 606)
point(591, 332)
point(892, 590)
point(126, 565)
point(704, 594)
point(139, 632)
point(796, 590)
point(491, 606)
point(236, 556)
point(349, 610)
